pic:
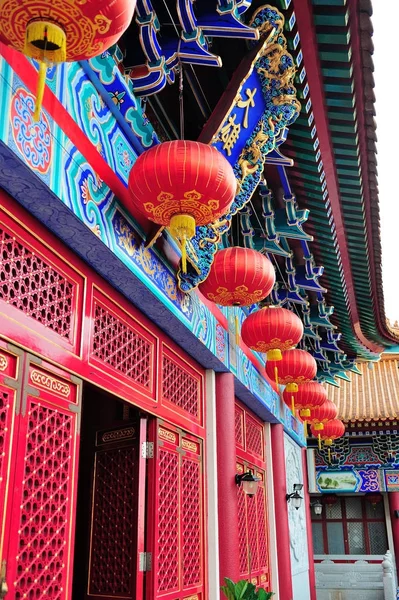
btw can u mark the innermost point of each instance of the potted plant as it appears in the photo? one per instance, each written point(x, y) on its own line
point(243, 590)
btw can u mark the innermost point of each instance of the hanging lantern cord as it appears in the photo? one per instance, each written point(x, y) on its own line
point(181, 101)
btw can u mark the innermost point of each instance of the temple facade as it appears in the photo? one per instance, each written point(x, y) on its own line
point(145, 452)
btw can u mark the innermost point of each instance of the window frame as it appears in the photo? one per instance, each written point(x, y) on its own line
point(344, 520)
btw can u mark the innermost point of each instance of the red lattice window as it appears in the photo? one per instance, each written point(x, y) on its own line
point(112, 562)
point(180, 387)
point(168, 521)
point(44, 527)
point(4, 412)
point(239, 429)
point(191, 522)
point(121, 347)
point(254, 436)
point(34, 287)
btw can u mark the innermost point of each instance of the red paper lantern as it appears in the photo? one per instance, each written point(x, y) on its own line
point(239, 277)
point(332, 430)
point(309, 396)
point(181, 185)
point(321, 414)
point(374, 499)
point(295, 367)
point(272, 330)
point(54, 31)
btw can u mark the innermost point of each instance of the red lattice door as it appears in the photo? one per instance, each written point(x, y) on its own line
point(175, 536)
point(42, 442)
point(252, 512)
point(117, 529)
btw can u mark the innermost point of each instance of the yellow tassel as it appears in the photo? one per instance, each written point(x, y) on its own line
point(329, 454)
point(41, 82)
point(319, 439)
point(293, 405)
point(237, 325)
point(276, 375)
point(292, 387)
point(305, 429)
point(304, 412)
point(274, 354)
point(182, 227)
point(184, 255)
point(45, 41)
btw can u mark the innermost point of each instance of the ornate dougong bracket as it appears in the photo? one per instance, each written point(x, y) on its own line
point(245, 126)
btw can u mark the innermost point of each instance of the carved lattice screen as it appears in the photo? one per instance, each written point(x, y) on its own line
point(178, 531)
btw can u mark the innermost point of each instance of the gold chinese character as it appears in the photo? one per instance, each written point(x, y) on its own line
point(230, 133)
point(247, 104)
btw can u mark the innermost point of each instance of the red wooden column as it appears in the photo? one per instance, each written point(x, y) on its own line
point(281, 508)
point(393, 498)
point(227, 490)
point(306, 499)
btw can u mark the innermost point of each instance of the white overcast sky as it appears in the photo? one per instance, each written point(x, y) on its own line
point(385, 19)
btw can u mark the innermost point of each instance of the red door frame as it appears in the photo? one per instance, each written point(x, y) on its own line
point(42, 390)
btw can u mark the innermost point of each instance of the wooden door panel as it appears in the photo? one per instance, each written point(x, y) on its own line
point(118, 503)
point(41, 507)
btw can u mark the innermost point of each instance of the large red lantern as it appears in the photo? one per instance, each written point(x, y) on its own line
point(182, 184)
point(320, 415)
point(54, 31)
point(272, 330)
point(332, 430)
point(239, 277)
point(309, 396)
point(295, 367)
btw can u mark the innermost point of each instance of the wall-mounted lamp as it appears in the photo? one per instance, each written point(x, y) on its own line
point(295, 496)
point(317, 507)
point(249, 483)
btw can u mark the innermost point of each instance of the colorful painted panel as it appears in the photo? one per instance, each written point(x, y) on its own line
point(351, 480)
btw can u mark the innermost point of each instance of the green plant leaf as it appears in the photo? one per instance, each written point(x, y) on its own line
point(262, 595)
point(228, 593)
point(241, 587)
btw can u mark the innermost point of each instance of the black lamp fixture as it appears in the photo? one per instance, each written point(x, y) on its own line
point(249, 483)
point(317, 507)
point(295, 496)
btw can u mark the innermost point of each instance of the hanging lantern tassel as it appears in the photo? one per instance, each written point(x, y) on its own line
point(46, 43)
point(329, 455)
point(182, 228)
point(41, 82)
point(237, 326)
point(305, 429)
point(319, 440)
point(292, 388)
point(276, 375)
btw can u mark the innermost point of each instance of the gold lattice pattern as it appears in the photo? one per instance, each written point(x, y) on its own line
point(121, 347)
point(44, 523)
point(254, 436)
point(191, 522)
point(180, 387)
point(4, 412)
point(112, 563)
point(238, 418)
point(35, 288)
point(242, 531)
point(168, 524)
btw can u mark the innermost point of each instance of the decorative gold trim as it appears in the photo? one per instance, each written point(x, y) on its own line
point(168, 436)
point(46, 382)
point(3, 362)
